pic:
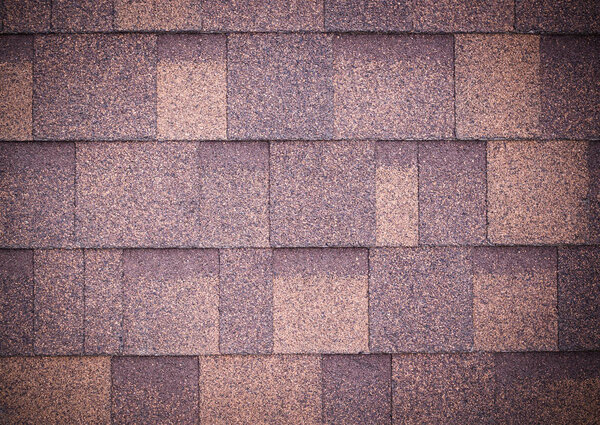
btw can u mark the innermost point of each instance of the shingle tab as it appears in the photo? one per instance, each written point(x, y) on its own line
point(563, 16)
point(94, 87)
point(37, 194)
point(322, 193)
point(171, 301)
point(16, 305)
point(464, 15)
point(158, 15)
point(497, 86)
point(420, 300)
point(59, 303)
point(260, 390)
point(155, 390)
point(82, 15)
point(279, 86)
point(320, 301)
point(26, 15)
point(378, 87)
point(356, 389)
point(514, 299)
point(246, 301)
point(452, 193)
point(367, 15)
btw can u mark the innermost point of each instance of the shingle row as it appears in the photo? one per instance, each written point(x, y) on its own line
point(340, 389)
point(298, 86)
point(304, 15)
point(335, 300)
point(298, 194)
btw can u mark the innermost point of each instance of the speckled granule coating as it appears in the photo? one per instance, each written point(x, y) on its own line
point(82, 15)
point(157, 15)
point(155, 390)
point(443, 388)
point(514, 299)
point(260, 390)
point(279, 86)
point(233, 190)
point(16, 304)
point(537, 192)
point(396, 194)
point(191, 87)
point(55, 390)
point(463, 15)
point(137, 194)
point(258, 15)
point(569, 16)
point(378, 86)
point(550, 388)
point(593, 197)
point(367, 15)
point(420, 300)
point(356, 389)
point(246, 301)
point(95, 87)
point(578, 294)
point(26, 15)
point(103, 301)
point(497, 86)
point(36, 194)
point(320, 302)
point(171, 301)
point(570, 90)
point(452, 184)
point(59, 304)
point(322, 193)
point(16, 74)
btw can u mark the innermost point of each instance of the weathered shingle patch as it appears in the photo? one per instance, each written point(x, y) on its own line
point(82, 15)
point(463, 15)
point(366, 15)
point(157, 15)
point(378, 87)
point(155, 390)
point(280, 86)
point(563, 16)
point(26, 15)
point(94, 87)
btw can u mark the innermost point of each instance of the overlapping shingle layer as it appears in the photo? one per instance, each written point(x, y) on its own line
point(308, 212)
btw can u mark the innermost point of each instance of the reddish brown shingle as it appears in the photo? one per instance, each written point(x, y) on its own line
point(26, 15)
point(378, 87)
point(82, 15)
point(463, 15)
point(569, 16)
point(157, 15)
point(366, 15)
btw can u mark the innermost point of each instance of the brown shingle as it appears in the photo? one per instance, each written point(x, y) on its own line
point(396, 193)
point(260, 390)
point(420, 299)
point(191, 87)
point(443, 388)
point(356, 389)
point(37, 194)
point(549, 388)
point(322, 193)
point(320, 301)
point(279, 86)
point(246, 301)
point(82, 15)
point(137, 194)
point(514, 299)
point(171, 301)
point(537, 192)
point(578, 295)
point(95, 86)
point(16, 74)
point(55, 390)
point(258, 15)
point(234, 194)
point(463, 15)
point(452, 193)
point(497, 86)
point(27, 15)
point(16, 304)
point(59, 309)
point(366, 15)
point(570, 90)
point(155, 390)
point(103, 301)
point(157, 15)
point(378, 87)
point(593, 165)
point(567, 16)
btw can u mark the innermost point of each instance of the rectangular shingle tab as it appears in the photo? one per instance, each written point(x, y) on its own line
point(82, 15)
point(367, 15)
point(26, 15)
point(464, 15)
point(157, 15)
point(560, 16)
